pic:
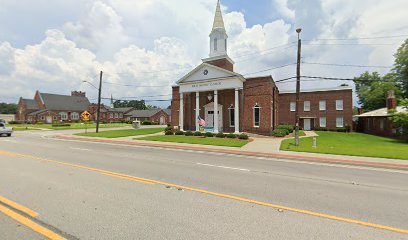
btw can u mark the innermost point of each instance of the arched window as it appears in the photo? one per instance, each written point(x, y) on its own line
point(257, 115)
point(63, 115)
point(215, 44)
point(74, 116)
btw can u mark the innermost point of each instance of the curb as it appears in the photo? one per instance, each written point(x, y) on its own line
point(244, 153)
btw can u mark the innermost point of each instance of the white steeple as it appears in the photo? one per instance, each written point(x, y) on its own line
point(218, 35)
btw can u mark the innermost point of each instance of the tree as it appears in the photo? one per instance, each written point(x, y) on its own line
point(372, 89)
point(400, 120)
point(401, 67)
point(137, 104)
point(8, 108)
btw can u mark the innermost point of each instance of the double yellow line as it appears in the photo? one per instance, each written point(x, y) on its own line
point(7, 206)
point(151, 182)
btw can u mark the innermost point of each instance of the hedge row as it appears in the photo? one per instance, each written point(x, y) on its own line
point(169, 131)
point(345, 129)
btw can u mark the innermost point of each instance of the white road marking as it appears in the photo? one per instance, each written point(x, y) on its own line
point(81, 149)
point(272, 159)
point(232, 168)
point(8, 140)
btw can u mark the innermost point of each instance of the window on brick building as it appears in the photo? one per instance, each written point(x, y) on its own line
point(257, 115)
point(292, 106)
point(306, 106)
point(63, 115)
point(74, 116)
point(339, 122)
point(231, 111)
point(322, 122)
point(322, 105)
point(110, 115)
point(339, 105)
point(116, 115)
point(120, 115)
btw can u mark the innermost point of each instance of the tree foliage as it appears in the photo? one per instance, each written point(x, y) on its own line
point(137, 104)
point(372, 89)
point(8, 108)
point(400, 120)
point(401, 67)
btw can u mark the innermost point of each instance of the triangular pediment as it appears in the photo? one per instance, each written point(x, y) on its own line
point(206, 72)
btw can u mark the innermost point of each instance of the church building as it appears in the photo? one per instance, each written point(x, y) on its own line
point(227, 101)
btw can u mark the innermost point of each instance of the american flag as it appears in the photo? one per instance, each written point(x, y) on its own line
point(201, 121)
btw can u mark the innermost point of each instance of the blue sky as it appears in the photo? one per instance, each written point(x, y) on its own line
point(52, 46)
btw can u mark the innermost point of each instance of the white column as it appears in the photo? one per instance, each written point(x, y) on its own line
point(236, 110)
point(181, 113)
point(215, 111)
point(197, 111)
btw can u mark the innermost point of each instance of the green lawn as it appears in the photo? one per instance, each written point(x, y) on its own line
point(225, 142)
point(354, 144)
point(22, 127)
point(122, 133)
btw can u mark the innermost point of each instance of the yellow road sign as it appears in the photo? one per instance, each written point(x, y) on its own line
point(86, 115)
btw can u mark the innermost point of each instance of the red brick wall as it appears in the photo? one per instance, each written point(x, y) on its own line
point(175, 107)
point(258, 91)
point(38, 99)
point(222, 63)
point(157, 116)
point(21, 108)
point(286, 116)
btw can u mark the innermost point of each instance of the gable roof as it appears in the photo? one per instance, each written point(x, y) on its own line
point(146, 113)
point(64, 102)
point(31, 104)
point(383, 112)
point(228, 73)
point(168, 111)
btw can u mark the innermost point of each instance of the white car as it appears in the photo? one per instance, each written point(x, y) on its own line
point(5, 130)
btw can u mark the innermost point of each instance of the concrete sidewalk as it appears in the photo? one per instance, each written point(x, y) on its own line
point(264, 150)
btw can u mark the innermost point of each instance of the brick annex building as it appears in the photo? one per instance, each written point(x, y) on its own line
point(228, 102)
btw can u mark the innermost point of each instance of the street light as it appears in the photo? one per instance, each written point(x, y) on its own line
point(298, 87)
point(98, 113)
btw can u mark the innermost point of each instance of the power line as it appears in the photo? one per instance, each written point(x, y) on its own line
point(291, 44)
point(350, 44)
point(268, 69)
point(345, 65)
point(357, 38)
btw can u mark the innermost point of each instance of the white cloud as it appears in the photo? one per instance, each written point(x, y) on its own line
point(134, 41)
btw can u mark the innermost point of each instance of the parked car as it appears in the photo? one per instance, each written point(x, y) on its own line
point(5, 130)
point(2, 121)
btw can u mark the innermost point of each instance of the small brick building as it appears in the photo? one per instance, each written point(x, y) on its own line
point(229, 102)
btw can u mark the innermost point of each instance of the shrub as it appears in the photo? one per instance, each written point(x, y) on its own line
point(288, 128)
point(14, 122)
point(220, 135)
point(231, 135)
point(168, 129)
point(168, 125)
point(40, 123)
point(341, 130)
point(197, 134)
point(61, 125)
point(209, 134)
point(321, 129)
point(169, 133)
point(147, 122)
point(279, 132)
point(348, 128)
point(179, 133)
point(243, 136)
point(189, 133)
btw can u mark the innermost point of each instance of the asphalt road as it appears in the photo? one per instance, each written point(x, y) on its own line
point(78, 192)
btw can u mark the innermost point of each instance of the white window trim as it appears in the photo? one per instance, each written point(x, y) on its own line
point(229, 115)
point(325, 121)
point(63, 116)
point(320, 105)
point(342, 105)
point(304, 106)
point(75, 116)
point(290, 107)
point(342, 122)
point(253, 115)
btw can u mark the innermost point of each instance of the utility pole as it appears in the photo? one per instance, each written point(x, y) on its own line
point(298, 87)
point(98, 112)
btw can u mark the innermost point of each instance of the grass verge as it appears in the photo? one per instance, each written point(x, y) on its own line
point(353, 144)
point(122, 133)
point(225, 142)
point(23, 127)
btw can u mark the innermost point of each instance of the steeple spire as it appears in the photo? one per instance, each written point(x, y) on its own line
point(218, 20)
